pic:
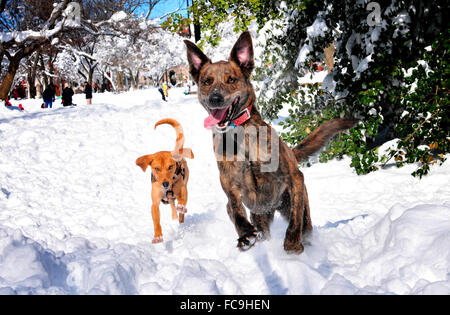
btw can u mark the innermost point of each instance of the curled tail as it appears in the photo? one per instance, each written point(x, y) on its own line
point(320, 136)
point(179, 151)
point(179, 142)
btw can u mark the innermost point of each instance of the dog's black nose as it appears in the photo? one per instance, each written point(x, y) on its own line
point(216, 99)
point(166, 184)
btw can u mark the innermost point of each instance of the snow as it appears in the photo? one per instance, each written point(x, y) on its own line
point(118, 16)
point(303, 54)
point(75, 217)
point(317, 29)
point(45, 32)
point(363, 65)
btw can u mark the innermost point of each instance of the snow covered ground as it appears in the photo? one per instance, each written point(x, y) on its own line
point(75, 213)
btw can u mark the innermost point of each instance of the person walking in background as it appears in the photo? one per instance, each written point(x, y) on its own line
point(166, 89)
point(88, 92)
point(67, 95)
point(188, 87)
point(163, 91)
point(49, 96)
point(7, 102)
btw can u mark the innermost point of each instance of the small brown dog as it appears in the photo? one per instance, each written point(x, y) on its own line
point(170, 175)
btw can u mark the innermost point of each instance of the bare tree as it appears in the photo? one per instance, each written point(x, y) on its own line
point(28, 25)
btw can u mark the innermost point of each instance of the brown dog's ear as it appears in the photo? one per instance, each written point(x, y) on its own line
point(242, 53)
point(144, 161)
point(196, 58)
point(187, 153)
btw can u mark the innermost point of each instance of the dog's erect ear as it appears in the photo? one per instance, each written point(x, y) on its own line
point(242, 53)
point(196, 58)
point(144, 161)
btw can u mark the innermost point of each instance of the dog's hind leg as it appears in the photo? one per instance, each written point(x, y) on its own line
point(307, 224)
point(293, 238)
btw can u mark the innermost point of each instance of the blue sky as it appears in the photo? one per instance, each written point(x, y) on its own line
point(167, 6)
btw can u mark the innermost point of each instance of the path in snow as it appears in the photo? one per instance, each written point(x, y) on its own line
point(75, 213)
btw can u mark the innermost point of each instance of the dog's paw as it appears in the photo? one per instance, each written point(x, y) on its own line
point(181, 209)
point(293, 248)
point(157, 239)
point(261, 236)
point(247, 241)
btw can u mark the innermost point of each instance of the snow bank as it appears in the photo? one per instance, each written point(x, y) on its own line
point(75, 219)
point(405, 252)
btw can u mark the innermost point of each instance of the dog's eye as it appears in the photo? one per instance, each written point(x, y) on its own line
point(157, 169)
point(170, 167)
point(208, 81)
point(231, 80)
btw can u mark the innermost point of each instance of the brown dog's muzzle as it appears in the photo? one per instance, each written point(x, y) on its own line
point(216, 100)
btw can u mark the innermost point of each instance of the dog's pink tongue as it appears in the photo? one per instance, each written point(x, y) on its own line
point(216, 116)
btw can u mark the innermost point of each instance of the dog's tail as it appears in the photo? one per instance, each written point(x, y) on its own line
point(320, 136)
point(179, 151)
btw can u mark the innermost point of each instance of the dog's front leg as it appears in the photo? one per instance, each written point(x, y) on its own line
point(156, 200)
point(262, 223)
point(157, 226)
point(246, 231)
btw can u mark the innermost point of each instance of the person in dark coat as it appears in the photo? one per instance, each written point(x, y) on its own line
point(49, 96)
point(67, 95)
point(88, 92)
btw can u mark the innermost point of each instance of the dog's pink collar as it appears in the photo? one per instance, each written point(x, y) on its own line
point(244, 116)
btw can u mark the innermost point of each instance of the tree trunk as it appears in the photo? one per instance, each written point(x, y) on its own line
point(91, 74)
point(136, 79)
point(132, 80)
point(197, 28)
point(7, 82)
point(197, 32)
point(32, 76)
point(38, 88)
point(119, 80)
point(29, 85)
point(44, 75)
point(110, 79)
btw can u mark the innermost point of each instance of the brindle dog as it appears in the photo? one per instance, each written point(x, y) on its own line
point(225, 91)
